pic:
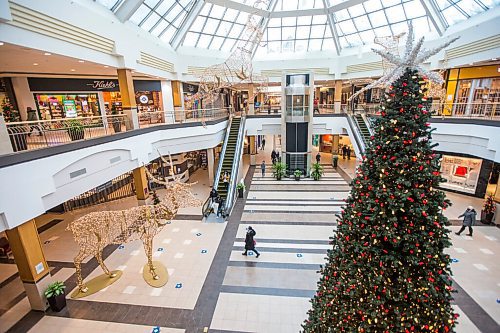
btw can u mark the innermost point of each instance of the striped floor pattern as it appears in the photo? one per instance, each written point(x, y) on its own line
point(293, 221)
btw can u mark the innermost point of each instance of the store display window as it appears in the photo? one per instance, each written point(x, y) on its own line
point(461, 173)
point(58, 106)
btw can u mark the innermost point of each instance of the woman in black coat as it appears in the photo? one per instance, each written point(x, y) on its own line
point(469, 220)
point(249, 242)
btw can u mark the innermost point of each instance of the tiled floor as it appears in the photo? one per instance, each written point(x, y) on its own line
point(224, 291)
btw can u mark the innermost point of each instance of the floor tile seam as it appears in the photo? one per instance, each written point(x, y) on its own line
point(298, 200)
point(305, 204)
point(321, 224)
point(16, 299)
point(303, 190)
point(479, 317)
point(282, 250)
point(287, 211)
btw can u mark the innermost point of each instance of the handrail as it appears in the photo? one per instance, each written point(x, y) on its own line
point(367, 123)
point(356, 132)
point(219, 166)
point(234, 171)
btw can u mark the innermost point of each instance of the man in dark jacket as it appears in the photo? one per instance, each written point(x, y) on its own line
point(250, 242)
point(469, 220)
point(318, 158)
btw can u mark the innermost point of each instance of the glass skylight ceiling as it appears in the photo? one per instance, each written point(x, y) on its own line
point(354, 22)
point(162, 18)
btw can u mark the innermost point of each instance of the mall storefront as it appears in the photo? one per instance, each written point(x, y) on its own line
point(69, 98)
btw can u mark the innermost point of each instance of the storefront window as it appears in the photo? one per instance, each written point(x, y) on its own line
point(461, 173)
point(57, 106)
point(477, 96)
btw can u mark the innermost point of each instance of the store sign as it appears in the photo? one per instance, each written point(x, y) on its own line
point(143, 99)
point(189, 88)
point(102, 85)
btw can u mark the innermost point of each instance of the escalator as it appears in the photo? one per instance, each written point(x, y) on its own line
point(363, 128)
point(230, 158)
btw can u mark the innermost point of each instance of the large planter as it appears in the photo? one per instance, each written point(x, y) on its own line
point(335, 161)
point(240, 193)
point(76, 134)
point(117, 126)
point(57, 303)
point(278, 177)
point(297, 177)
point(487, 218)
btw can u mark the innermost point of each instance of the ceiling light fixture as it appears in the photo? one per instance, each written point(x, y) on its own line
point(1, 43)
point(35, 64)
point(81, 61)
point(72, 69)
point(494, 59)
point(106, 66)
point(47, 53)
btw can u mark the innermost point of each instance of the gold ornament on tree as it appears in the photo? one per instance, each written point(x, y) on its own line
point(94, 231)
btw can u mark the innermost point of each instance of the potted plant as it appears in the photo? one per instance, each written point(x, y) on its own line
point(241, 189)
point(297, 173)
point(75, 130)
point(279, 170)
point(335, 160)
point(317, 171)
point(56, 296)
point(116, 121)
point(488, 211)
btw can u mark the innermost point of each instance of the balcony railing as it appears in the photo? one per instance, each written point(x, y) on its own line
point(29, 135)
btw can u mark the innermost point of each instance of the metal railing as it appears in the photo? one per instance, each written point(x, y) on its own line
point(29, 135)
point(231, 197)
point(206, 205)
point(356, 131)
point(490, 111)
point(147, 119)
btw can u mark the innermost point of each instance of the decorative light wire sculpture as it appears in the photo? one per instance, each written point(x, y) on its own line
point(94, 231)
point(413, 57)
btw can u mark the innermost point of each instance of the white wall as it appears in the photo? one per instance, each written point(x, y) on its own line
point(36, 186)
point(24, 97)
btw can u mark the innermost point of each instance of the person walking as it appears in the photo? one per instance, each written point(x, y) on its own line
point(33, 117)
point(250, 242)
point(220, 208)
point(348, 152)
point(318, 158)
point(344, 152)
point(273, 156)
point(316, 105)
point(469, 220)
point(225, 179)
point(263, 168)
point(263, 145)
point(213, 195)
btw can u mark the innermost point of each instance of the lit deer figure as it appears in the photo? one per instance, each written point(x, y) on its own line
point(94, 231)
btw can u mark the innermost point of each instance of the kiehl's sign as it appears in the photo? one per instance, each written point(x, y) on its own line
point(38, 84)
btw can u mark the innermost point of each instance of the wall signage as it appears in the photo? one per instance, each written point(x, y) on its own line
point(39, 84)
point(102, 85)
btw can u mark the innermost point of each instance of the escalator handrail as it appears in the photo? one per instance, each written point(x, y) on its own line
point(364, 115)
point(356, 132)
point(230, 198)
point(206, 205)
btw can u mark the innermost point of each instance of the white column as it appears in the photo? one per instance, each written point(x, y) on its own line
point(167, 101)
point(24, 96)
point(102, 109)
point(251, 106)
point(5, 146)
point(210, 161)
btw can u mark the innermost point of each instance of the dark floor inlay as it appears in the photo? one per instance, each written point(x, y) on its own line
point(324, 224)
point(287, 241)
point(49, 225)
point(267, 291)
point(188, 217)
point(314, 267)
point(283, 250)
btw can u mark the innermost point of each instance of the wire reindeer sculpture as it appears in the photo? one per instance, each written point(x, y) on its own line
point(238, 68)
point(94, 231)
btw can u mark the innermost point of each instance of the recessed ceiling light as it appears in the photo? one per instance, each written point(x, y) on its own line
point(106, 66)
point(81, 61)
point(47, 53)
point(494, 59)
point(1, 43)
point(72, 69)
point(35, 64)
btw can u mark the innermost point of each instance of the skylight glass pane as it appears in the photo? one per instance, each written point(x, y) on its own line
point(347, 27)
point(319, 19)
point(228, 45)
point(303, 32)
point(372, 5)
point(168, 34)
point(395, 14)
point(470, 7)
point(378, 19)
point(362, 23)
point(356, 10)
point(274, 22)
point(452, 15)
point(414, 9)
point(210, 26)
point(288, 33)
point(274, 34)
point(301, 45)
point(159, 28)
point(289, 21)
point(217, 12)
point(230, 14)
point(191, 39)
point(304, 20)
point(150, 21)
point(204, 41)
point(367, 36)
point(342, 15)
point(315, 45)
point(217, 43)
point(108, 3)
point(287, 46)
point(198, 24)
point(140, 14)
point(328, 44)
point(317, 31)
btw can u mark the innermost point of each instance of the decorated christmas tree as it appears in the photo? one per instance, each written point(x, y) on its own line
point(9, 114)
point(387, 270)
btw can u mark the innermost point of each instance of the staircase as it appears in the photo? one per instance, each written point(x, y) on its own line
point(364, 131)
point(228, 158)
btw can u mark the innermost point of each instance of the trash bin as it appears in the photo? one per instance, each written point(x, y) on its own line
point(335, 160)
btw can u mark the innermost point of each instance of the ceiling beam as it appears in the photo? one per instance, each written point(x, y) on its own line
point(240, 7)
point(264, 24)
point(333, 28)
point(186, 24)
point(127, 9)
point(435, 15)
